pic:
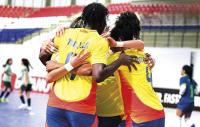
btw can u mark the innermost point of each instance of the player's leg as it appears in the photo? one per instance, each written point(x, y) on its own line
point(7, 91)
point(187, 115)
point(109, 121)
point(21, 96)
point(2, 93)
point(180, 113)
point(28, 92)
point(55, 117)
point(77, 119)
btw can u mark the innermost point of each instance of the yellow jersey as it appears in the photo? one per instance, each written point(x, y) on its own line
point(109, 100)
point(141, 103)
point(78, 92)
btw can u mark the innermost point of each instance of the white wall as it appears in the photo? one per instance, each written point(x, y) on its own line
point(60, 3)
point(196, 62)
point(3, 2)
point(19, 23)
point(120, 1)
point(169, 62)
point(29, 3)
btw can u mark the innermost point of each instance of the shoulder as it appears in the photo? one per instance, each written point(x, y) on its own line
point(98, 41)
point(7, 67)
point(183, 79)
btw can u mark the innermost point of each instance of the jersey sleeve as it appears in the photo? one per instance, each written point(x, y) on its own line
point(57, 41)
point(182, 86)
point(182, 81)
point(99, 52)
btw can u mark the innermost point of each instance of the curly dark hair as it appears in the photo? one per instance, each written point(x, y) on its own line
point(127, 27)
point(94, 15)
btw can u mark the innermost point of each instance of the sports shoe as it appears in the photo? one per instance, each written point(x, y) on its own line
point(29, 108)
point(4, 100)
point(22, 106)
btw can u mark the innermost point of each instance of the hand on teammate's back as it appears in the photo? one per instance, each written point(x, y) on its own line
point(49, 47)
point(149, 60)
point(61, 31)
point(128, 61)
point(80, 58)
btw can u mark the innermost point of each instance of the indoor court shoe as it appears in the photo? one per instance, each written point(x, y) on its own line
point(29, 108)
point(22, 106)
point(4, 100)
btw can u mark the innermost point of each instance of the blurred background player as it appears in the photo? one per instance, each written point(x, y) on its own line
point(6, 81)
point(26, 85)
point(188, 88)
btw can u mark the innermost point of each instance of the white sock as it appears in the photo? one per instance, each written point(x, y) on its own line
point(179, 119)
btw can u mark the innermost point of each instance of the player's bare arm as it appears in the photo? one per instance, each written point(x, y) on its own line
point(100, 71)
point(47, 49)
point(135, 44)
point(64, 69)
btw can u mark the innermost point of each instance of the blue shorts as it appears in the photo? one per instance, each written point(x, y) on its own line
point(56, 117)
point(185, 107)
point(154, 123)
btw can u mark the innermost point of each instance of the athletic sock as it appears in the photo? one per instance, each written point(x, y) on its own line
point(22, 99)
point(7, 94)
point(29, 102)
point(179, 119)
point(2, 93)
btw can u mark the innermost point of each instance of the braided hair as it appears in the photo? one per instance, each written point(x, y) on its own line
point(94, 16)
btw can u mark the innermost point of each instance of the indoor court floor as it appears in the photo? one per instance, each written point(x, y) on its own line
point(11, 116)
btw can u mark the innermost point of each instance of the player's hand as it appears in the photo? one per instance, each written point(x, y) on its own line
point(52, 65)
point(128, 61)
point(106, 32)
point(149, 60)
point(61, 31)
point(112, 42)
point(49, 47)
point(80, 58)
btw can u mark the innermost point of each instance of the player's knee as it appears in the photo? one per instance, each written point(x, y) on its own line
point(179, 113)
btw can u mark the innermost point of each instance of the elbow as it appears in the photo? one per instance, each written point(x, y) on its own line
point(98, 79)
point(49, 79)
